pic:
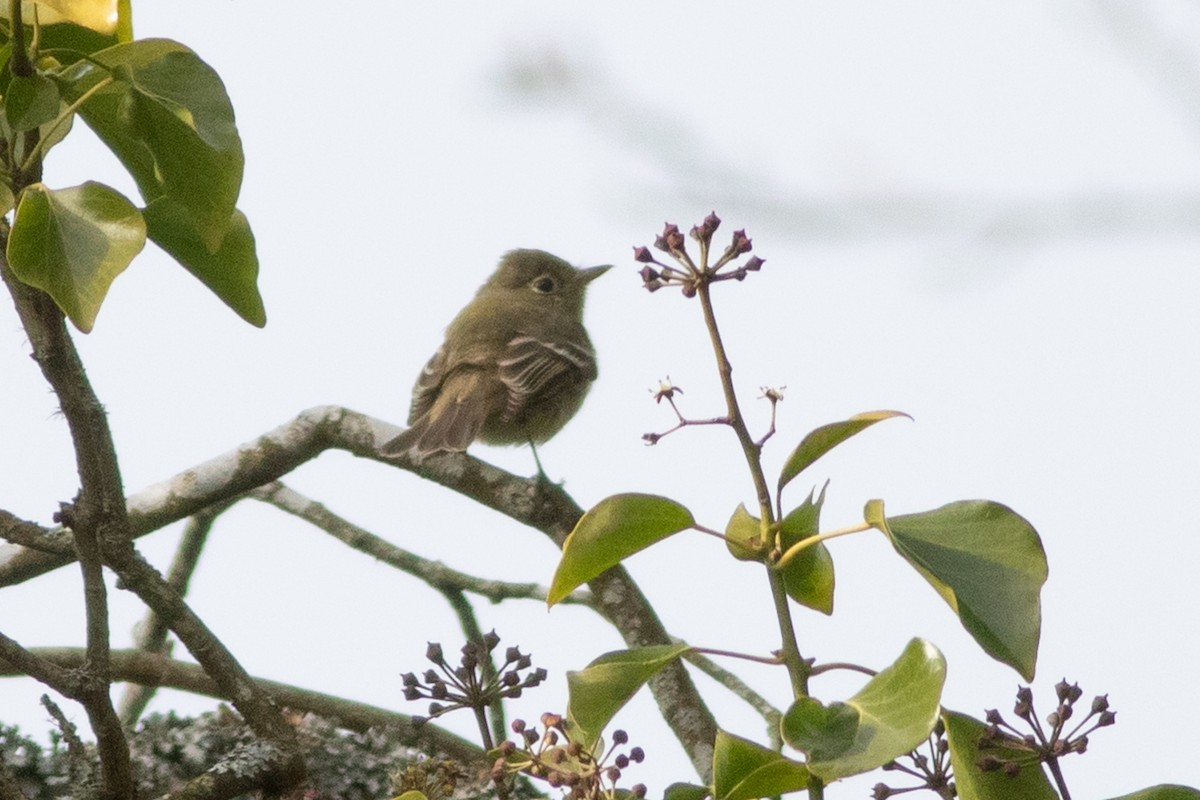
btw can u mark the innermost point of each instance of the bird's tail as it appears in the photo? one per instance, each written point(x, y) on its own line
point(451, 423)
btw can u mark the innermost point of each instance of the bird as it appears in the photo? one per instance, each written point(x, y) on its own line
point(515, 365)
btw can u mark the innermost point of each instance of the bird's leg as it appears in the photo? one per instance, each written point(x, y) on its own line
point(541, 473)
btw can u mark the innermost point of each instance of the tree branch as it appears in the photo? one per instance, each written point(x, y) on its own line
point(436, 574)
point(544, 507)
point(149, 669)
point(151, 633)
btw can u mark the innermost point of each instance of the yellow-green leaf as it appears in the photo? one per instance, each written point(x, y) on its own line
point(744, 770)
point(72, 243)
point(617, 527)
point(601, 689)
point(808, 578)
point(893, 713)
point(98, 15)
point(823, 439)
point(743, 535)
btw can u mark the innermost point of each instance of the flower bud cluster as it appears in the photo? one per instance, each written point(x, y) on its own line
point(687, 274)
point(474, 683)
point(554, 756)
point(1043, 742)
point(933, 770)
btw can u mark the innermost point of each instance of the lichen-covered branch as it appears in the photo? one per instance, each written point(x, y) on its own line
point(150, 669)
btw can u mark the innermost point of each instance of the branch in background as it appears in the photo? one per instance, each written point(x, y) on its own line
point(740, 689)
point(436, 574)
point(154, 670)
point(80, 764)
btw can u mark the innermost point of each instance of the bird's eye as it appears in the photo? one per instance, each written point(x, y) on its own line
point(544, 285)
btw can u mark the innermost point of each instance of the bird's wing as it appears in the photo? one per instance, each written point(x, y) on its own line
point(428, 383)
point(530, 365)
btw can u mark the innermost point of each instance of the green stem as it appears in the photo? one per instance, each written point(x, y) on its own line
point(797, 669)
point(804, 544)
point(67, 113)
point(19, 62)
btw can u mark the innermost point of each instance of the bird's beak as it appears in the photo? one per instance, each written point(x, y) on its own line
point(591, 273)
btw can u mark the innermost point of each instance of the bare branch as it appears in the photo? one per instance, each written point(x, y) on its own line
point(436, 574)
point(159, 671)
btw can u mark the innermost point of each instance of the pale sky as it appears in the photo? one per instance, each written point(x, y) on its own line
point(985, 216)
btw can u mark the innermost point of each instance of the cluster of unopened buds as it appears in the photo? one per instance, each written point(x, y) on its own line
point(688, 274)
point(473, 683)
point(1042, 743)
point(933, 769)
point(554, 757)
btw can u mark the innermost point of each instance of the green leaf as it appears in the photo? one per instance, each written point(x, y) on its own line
point(7, 201)
point(617, 527)
point(896, 710)
point(1165, 791)
point(743, 770)
point(72, 243)
point(987, 563)
point(743, 535)
point(963, 734)
point(808, 578)
point(822, 731)
point(31, 101)
point(601, 689)
point(231, 272)
point(686, 791)
point(97, 15)
point(170, 122)
point(820, 441)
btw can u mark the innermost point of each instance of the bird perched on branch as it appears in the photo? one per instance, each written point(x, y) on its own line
point(515, 365)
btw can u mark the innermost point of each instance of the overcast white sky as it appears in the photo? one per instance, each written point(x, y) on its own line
point(986, 216)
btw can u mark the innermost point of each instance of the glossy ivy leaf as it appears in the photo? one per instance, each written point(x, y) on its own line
point(97, 15)
point(895, 711)
point(823, 439)
point(808, 578)
point(743, 770)
point(30, 102)
point(169, 120)
point(987, 563)
point(824, 732)
point(1166, 791)
point(616, 528)
point(411, 794)
point(962, 734)
point(7, 201)
point(743, 535)
point(72, 243)
point(601, 689)
point(231, 272)
point(686, 791)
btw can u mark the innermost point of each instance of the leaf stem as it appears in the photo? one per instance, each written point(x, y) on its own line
point(772, 660)
point(67, 113)
point(804, 544)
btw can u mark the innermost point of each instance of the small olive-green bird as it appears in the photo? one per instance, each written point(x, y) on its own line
point(515, 365)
